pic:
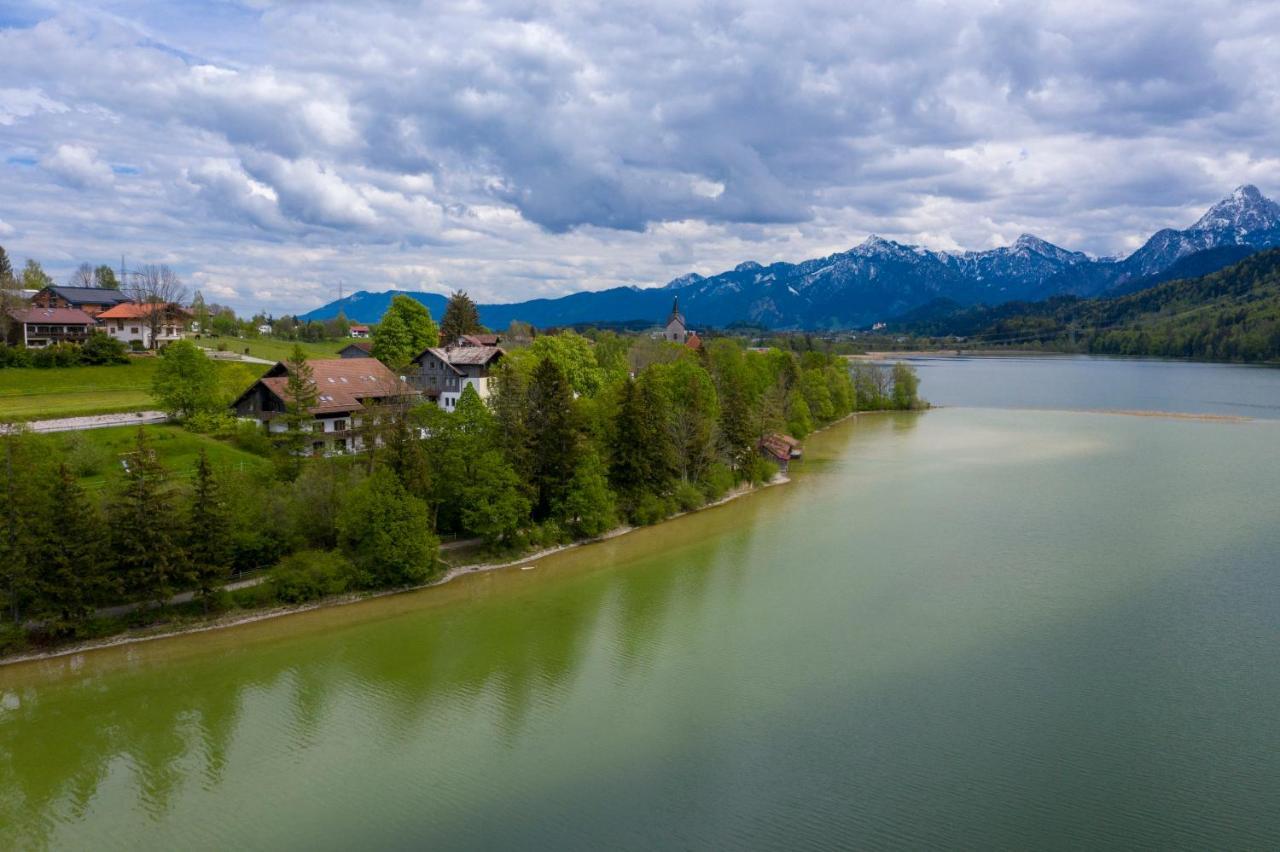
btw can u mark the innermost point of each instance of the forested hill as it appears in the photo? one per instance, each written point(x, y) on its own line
point(1229, 315)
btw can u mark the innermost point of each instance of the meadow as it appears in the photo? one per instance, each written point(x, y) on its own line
point(271, 349)
point(95, 454)
point(31, 393)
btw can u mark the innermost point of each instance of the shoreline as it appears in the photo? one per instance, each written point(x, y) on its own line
point(452, 573)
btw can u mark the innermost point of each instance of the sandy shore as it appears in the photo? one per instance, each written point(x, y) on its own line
point(235, 619)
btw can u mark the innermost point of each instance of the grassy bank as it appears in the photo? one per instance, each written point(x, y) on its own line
point(96, 453)
point(30, 393)
point(273, 350)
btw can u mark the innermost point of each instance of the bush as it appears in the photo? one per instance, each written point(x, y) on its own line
point(717, 481)
point(649, 509)
point(101, 349)
point(12, 638)
point(222, 346)
point(57, 355)
point(688, 497)
point(136, 346)
point(311, 574)
point(14, 356)
point(84, 457)
point(249, 436)
point(219, 423)
point(254, 597)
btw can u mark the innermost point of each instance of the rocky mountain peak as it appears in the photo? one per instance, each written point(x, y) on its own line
point(1246, 209)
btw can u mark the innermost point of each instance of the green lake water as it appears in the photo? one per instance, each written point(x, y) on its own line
point(971, 627)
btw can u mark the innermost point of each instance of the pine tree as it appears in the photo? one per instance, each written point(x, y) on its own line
point(6, 269)
point(19, 473)
point(144, 528)
point(460, 317)
point(553, 436)
point(69, 556)
point(510, 404)
point(641, 458)
point(208, 531)
point(300, 396)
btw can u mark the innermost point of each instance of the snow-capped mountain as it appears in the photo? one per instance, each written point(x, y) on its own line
point(880, 278)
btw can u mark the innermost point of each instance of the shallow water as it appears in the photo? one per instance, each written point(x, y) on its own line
point(964, 628)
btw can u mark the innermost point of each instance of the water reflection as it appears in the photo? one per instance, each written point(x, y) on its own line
point(506, 646)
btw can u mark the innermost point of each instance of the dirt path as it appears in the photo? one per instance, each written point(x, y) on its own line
point(96, 421)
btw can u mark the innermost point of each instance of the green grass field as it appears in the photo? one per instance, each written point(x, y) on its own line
point(94, 454)
point(273, 350)
point(34, 394)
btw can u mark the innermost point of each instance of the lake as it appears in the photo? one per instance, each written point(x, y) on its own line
point(976, 627)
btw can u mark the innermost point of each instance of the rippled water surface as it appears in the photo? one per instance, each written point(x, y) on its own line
point(968, 628)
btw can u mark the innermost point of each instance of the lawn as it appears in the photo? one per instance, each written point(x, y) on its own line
point(30, 393)
point(95, 454)
point(273, 350)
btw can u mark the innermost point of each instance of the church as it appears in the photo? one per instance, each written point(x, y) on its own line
point(677, 331)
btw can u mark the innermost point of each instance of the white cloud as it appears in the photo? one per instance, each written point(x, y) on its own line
point(78, 167)
point(522, 148)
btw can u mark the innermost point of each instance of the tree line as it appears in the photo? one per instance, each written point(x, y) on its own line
point(578, 436)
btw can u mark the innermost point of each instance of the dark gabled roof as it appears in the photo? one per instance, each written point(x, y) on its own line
point(457, 356)
point(88, 295)
point(365, 346)
point(341, 384)
point(479, 340)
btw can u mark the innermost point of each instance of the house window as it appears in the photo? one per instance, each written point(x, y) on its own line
point(133, 329)
point(339, 425)
point(119, 325)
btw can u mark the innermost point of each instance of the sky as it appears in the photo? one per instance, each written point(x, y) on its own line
point(274, 152)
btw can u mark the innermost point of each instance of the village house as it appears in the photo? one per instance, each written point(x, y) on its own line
point(38, 327)
point(91, 300)
point(343, 390)
point(443, 374)
point(359, 331)
point(358, 349)
point(130, 323)
point(486, 339)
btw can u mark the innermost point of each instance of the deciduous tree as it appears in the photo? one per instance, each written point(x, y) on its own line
point(186, 381)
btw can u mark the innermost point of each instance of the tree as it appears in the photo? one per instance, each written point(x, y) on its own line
point(572, 354)
point(69, 556)
point(341, 326)
point(640, 461)
point(404, 331)
point(82, 276)
point(200, 313)
point(186, 381)
point(392, 343)
point(492, 505)
point(405, 455)
point(460, 317)
point(208, 532)
point(19, 474)
point(159, 288)
point(905, 387)
point(105, 277)
point(553, 436)
point(692, 411)
point(34, 276)
point(6, 270)
point(387, 532)
point(144, 526)
point(589, 508)
point(799, 416)
point(300, 396)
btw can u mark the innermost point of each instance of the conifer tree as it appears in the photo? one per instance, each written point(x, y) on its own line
point(553, 436)
point(144, 528)
point(300, 396)
point(69, 555)
point(208, 532)
point(510, 404)
point(641, 458)
point(6, 269)
point(460, 317)
point(18, 477)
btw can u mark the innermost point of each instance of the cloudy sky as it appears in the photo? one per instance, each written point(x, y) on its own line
point(273, 151)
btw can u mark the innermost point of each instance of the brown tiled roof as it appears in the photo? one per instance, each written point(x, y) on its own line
point(362, 345)
point(693, 341)
point(479, 340)
point(133, 310)
point(52, 316)
point(342, 383)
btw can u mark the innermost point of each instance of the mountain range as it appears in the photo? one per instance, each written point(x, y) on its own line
point(882, 279)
